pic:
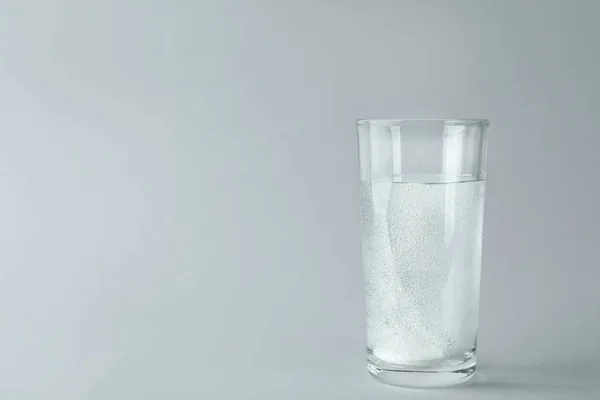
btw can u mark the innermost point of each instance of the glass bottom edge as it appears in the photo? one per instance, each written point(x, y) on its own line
point(410, 376)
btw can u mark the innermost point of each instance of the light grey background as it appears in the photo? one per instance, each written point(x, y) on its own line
point(180, 211)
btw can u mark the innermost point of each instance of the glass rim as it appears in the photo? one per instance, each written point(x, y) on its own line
point(484, 123)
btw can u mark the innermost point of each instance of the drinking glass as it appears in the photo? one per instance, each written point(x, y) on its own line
point(422, 200)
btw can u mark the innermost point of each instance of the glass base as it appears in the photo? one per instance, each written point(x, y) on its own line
point(413, 376)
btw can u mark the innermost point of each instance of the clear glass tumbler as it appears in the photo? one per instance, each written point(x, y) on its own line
point(422, 198)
